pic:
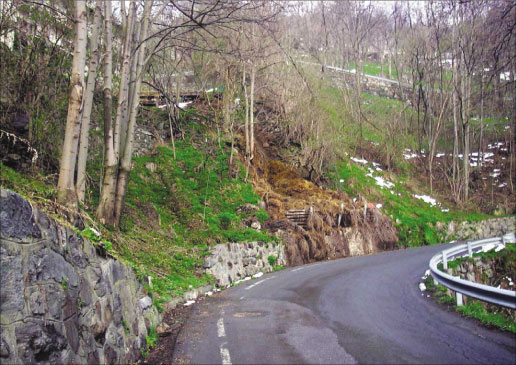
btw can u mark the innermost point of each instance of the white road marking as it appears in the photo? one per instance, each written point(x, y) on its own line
point(241, 298)
point(258, 282)
point(224, 354)
point(299, 269)
point(221, 332)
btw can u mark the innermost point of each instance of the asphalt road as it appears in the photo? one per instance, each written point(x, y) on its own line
point(365, 309)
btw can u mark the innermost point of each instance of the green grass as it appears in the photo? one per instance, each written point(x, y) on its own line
point(150, 339)
point(473, 308)
point(414, 219)
point(30, 185)
point(172, 216)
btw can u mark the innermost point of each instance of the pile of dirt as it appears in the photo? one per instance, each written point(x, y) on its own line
point(336, 227)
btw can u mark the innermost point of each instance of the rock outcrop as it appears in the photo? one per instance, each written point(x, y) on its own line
point(61, 300)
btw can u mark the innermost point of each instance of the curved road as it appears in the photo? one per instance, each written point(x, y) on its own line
point(365, 309)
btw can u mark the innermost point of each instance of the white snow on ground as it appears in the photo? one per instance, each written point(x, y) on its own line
point(495, 145)
point(490, 246)
point(182, 105)
point(341, 180)
point(502, 185)
point(381, 182)
point(377, 166)
point(506, 76)
point(189, 302)
point(258, 275)
point(422, 286)
point(209, 293)
point(379, 205)
point(408, 154)
point(209, 90)
point(426, 199)
point(445, 210)
point(359, 160)
point(496, 173)
point(439, 154)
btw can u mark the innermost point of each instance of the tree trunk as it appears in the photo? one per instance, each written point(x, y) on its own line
point(251, 113)
point(246, 122)
point(125, 164)
point(106, 205)
point(131, 88)
point(123, 94)
point(88, 103)
point(65, 186)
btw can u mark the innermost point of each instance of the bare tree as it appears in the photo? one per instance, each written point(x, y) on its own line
point(88, 102)
point(65, 187)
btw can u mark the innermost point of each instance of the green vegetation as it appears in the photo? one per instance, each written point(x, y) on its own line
point(415, 219)
point(174, 212)
point(64, 283)
point(150, 341)
point(475, 309)
point(472, 309)
point(272, 260)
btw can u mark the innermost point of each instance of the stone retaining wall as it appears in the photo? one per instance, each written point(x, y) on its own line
point(477, 230)
point(61, 301)
point(234, 261)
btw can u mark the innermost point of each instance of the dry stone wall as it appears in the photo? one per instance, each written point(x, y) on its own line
point(231, 262)
point(494, 227)
point(61, 301)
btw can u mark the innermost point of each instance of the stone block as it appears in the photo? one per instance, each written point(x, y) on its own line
point(16, 218)
point(11, 274)
point(40, 342)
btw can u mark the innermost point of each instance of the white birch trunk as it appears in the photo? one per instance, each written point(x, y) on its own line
point(125, 163)
point(105, 209)
point(65, 186)
point(88, 102)
point(123, 93)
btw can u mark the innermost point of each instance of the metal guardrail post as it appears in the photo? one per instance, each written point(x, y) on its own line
point(470, 249)
point(460, 301)
point(461, 287)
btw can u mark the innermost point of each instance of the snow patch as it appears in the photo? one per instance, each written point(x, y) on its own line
point(381, 182)
point(258, 275)
point(426, 199)
point(359, 160)
point(189, 302)
point(182, 105)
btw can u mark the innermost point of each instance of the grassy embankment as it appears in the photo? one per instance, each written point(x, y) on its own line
point(172, 214)
point(415, 219)
point(489, 315)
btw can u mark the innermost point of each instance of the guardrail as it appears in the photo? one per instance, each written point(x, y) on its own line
point(503, 297)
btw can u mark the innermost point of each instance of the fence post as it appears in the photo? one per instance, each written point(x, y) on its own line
point(445, 261)
point(470, 249)
point(460, 302)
